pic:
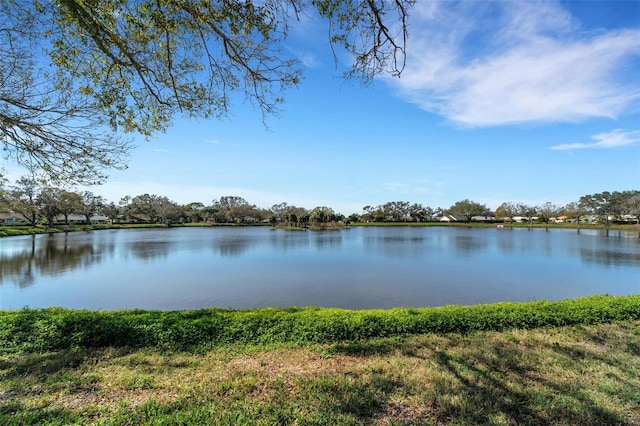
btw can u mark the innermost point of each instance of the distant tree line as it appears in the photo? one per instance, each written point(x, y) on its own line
point(601, 207)
point(40, 202)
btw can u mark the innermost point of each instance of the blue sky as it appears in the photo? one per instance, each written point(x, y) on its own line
point(499, 101)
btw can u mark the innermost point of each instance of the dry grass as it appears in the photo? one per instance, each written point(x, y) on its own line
point(572, 375)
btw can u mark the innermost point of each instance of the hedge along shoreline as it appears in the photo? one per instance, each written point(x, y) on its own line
point(48, 329)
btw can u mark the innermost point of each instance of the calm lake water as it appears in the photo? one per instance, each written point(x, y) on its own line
point(245, 267)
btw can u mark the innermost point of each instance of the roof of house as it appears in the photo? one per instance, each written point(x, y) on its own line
point(12, 215)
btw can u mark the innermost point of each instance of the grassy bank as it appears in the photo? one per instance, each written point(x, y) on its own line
point(575, 375)
point(56, 328)
point(9, 231)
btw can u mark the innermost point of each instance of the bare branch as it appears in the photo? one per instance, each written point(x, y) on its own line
point(133, 65)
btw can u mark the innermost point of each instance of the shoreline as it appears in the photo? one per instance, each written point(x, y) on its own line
point(569, 362)
point(53, 328)
point(13, 231)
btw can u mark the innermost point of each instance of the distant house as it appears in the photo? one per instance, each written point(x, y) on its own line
point(451, 218)
point(13, 219)
point(559, 219)
point(79, 218)
point(139, 218)
point(447, 218)
point(483, 219)
point(592, 218)
point(98, 218)
point(524, 219)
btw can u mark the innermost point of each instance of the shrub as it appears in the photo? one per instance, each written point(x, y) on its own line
point(58, 328)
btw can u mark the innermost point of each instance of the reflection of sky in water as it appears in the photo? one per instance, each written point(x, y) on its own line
point(357, 268)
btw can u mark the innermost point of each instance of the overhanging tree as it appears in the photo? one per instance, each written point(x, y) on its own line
point(3, 195)
point(124, 66)
point(46, 123)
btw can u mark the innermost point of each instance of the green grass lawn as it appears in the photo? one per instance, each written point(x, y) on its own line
point(577, 375)
point(573, 362)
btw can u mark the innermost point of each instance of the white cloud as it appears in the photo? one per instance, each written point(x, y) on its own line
point(310, 60)
point(212, 141)
point(613, 139)
point(496, 63)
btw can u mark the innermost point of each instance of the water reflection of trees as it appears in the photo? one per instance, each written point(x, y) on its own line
point(467, 244)
point(398, 246)
point(380, 241)
point(237, 245)
point(47, 256)
point(289, 240)
point(232, 247)
point(510, 241)
point(150, 250)
point(326, 241)
point(610, 257)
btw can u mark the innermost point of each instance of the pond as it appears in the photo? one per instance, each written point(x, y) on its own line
point(358, 268)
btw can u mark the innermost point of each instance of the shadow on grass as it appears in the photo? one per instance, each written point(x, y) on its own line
point(359, 399)
point(35, 375)
point(364, 348)
point(33, 365)
point(15, 413)
point(511, 391)
point(324, 400)
point(506, 382)
point(490, 378)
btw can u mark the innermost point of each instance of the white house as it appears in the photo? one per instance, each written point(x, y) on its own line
point(483, 219)
point(79, 218)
